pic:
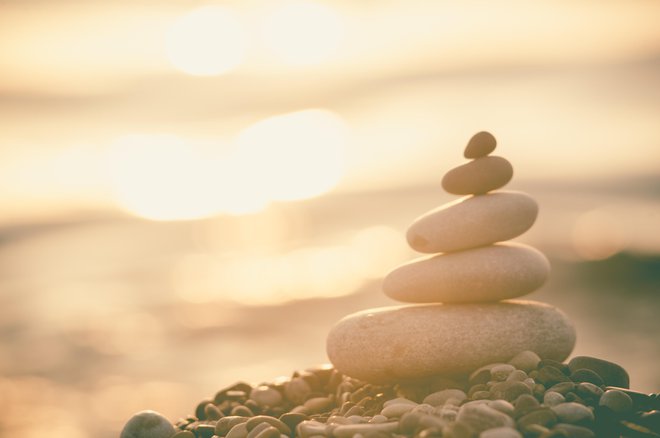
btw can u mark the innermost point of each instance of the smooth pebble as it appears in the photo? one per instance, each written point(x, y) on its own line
point(490, 273)
point(574, 431)
point(481, 144)
point(473, 221)
point(266, 396)
point(525, 360)
point(409, 342)
point(617, 401)
point(611, 373)
point(571, 412)
point(552, 398)
point(500, 432)
point(396, 410)
point(481, 417)
point(147, 424)
point(542, 416)
point(478, 176)
point(439, 398)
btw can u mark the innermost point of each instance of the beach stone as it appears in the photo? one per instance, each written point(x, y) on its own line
point(589, 391)
point(457, 430)
point(392, 344)
point(274, 422)
point(541, 416)
point(618, 401)
point(439, 398)
point(225, 424)
point(611, 373)
point(481, 144)
point(525, 360)
point(525, 404)
point(147, 424)
point(550, 375)
point(297, 390)
point(509, 391)
point(552, 398)
point(503, 406)
point(585, 375)
point(563, 388)
point(266, 396)
point(481, 374)
point(500, 432)
point(397, 410)
point(489, 273)
point(517, 376)
point(349, 430)
point(501, 372)
point(481, 417)
point(473, 221)
point(478, 176)
point(571, 412)
point(573, 431)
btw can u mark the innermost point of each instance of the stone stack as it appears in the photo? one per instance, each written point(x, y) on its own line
point(462, 314)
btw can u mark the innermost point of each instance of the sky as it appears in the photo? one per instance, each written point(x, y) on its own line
point(108, 106)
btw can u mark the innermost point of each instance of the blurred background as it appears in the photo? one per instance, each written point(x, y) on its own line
point(193, 192)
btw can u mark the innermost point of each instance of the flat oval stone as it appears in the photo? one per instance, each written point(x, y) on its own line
point(611, 373)
point(478, 176)
point(489, 273)
point(399, 343)
point(481, 144)
point(473, 221)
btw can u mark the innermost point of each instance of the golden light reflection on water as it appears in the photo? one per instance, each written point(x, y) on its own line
point(287, 157)
point(302, 32)
point(255, 278)
point(597, 235)
point(206, 41)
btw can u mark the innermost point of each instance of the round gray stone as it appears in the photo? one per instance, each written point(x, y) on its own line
point(416, 341)
point(147, 424)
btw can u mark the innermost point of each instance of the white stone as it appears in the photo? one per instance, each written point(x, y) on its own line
point(490, 273)
point(473, 221)
point(415, 341)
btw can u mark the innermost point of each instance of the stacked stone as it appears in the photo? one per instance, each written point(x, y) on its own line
point(462, 314)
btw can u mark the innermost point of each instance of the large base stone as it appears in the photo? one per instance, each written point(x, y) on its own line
point(412, 342)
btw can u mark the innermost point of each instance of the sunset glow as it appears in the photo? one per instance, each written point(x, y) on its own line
point(205, 42)
point(303, 33)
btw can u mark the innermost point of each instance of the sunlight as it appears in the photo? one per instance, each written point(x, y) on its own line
point(205, 42)
point(303, 33)
point(293, 156)
point(290, 157)
point(160, 177)
point(598, 235)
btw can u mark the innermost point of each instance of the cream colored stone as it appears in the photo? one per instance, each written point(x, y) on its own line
point(489, 273)
point(478, 176)
point(416, 341)
point(473, 221)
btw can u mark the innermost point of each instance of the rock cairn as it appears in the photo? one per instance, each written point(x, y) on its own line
point(462, 316)
point(394, 366)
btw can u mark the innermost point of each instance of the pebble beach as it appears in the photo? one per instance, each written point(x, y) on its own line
point(461, 361)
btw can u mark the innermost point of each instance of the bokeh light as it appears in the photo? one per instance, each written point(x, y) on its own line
point(293, 156)
point(206, 41)
point(597, 235)
point(161, 177)
point(303, 32)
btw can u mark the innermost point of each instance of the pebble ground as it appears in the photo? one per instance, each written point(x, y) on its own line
point(526, 397)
